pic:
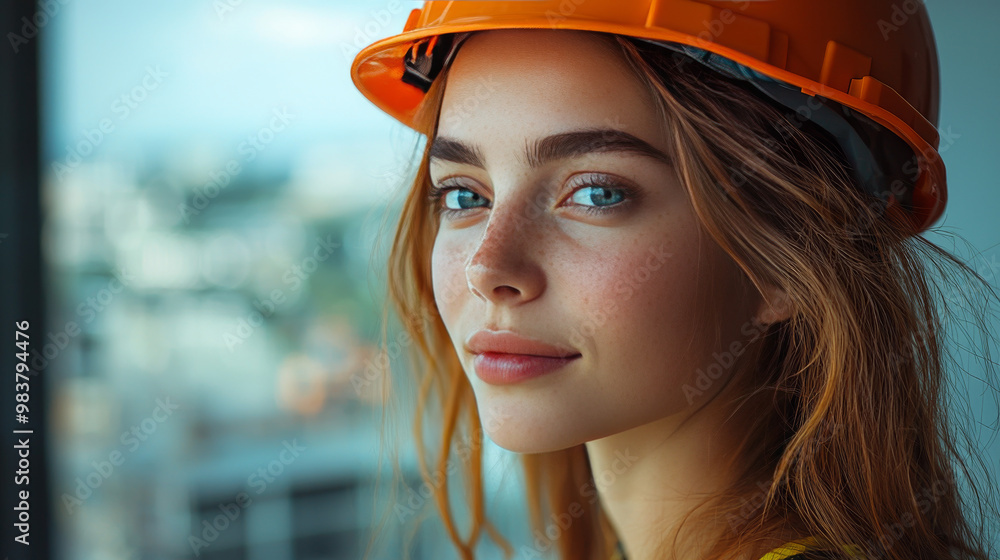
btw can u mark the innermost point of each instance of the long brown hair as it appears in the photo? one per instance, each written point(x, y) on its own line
point(854, 445)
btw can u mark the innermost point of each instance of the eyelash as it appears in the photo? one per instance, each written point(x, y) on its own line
point(438, 192)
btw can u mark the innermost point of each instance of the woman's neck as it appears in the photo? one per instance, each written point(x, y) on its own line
point(650, 477)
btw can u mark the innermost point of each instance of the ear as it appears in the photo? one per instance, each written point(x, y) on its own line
point(775, 306)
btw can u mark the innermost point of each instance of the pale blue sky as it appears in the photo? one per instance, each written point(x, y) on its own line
point(225, 70)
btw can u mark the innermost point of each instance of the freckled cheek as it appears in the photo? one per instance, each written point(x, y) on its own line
point(448, 276)
point(651, 308)
point(605, 302)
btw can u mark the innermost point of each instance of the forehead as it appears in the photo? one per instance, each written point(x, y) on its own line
point(525, 83)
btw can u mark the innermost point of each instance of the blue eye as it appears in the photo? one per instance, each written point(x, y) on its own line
point(458, 198)
point(601, 194)
point(598, 196)
point(453, 199)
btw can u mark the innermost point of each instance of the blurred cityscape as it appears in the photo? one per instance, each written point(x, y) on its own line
point(214, 189)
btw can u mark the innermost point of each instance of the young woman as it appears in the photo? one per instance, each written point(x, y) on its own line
point(667, 252)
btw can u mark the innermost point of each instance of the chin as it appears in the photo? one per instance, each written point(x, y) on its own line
point(520, 430)
point(526, 443)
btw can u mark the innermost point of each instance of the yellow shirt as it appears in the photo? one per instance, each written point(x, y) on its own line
point(789, 550)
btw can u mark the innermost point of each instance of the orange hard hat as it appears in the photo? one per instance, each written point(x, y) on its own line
point(864, 70)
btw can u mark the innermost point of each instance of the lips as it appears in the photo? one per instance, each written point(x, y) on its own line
point(509, 342)
point(505, 357)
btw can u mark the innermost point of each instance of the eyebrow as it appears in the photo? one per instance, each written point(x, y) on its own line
point(557, 146)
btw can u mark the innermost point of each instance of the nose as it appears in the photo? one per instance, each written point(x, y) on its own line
point(504, 269)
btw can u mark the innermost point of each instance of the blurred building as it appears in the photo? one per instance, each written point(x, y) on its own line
point(214, 189)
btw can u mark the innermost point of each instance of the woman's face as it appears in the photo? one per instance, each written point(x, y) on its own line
point(586, 241)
